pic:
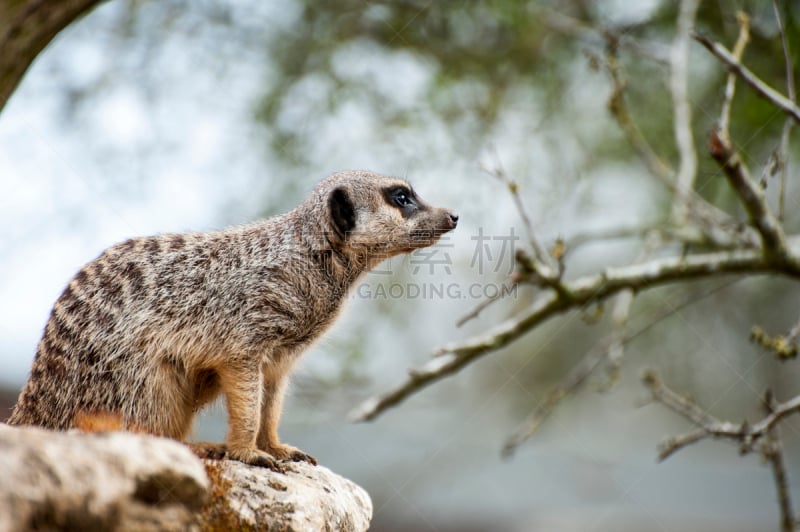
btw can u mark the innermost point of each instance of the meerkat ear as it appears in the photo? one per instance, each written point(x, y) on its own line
point(342, 212)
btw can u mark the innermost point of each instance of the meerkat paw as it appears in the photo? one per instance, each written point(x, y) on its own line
point(290, 453)
point(256, 457)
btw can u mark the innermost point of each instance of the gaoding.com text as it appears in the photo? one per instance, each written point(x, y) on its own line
point(434, 291)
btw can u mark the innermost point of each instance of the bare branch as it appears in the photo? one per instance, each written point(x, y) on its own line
point(730, 87)
point(616, 105)
point(762, 89)
point(619, 318)
point(667, 447)
point(783, 165)
point(713, 222)
point(744, 433)
point(722, 150)
point(480, 307)
point(772, 449)
point(686, 407)
point(752, 196)
point(779, 412)
point(794, 333)
point(782, 154)
point(575, 295)
point(542, 262)
point(679, 86)
point(774, 455)
point(571, 382)
point(621, 313)
point(762, 436)
point(787, 56)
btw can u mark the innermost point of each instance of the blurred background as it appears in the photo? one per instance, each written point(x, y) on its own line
point(155, 116)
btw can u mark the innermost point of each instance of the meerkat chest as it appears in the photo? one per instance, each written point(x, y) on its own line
point(289, 309)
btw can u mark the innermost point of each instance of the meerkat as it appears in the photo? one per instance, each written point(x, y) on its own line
point(157, 327)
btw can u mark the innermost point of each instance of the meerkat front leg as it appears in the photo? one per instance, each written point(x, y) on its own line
point(243, 389)
point(272, 404)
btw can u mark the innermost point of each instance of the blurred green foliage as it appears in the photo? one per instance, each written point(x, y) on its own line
point(505, 47)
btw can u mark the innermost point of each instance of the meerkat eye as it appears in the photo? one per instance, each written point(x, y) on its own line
point(402, 198)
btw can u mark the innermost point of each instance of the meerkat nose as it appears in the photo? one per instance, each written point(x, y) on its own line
point(453, 218)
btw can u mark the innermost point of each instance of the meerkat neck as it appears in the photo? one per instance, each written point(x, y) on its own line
point(338, 264)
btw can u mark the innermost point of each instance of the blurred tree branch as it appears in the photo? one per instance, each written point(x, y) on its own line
point(541, 262)
point(715, 226)
point(578, 294)
point(26, 27)
point(746, 434)
point(682, 118)
point(711, 243)
point(777, 254)
point(745, 74)
point(781, 156)
point(761, 436)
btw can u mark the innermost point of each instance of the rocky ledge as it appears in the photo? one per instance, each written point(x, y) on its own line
point(124, 481)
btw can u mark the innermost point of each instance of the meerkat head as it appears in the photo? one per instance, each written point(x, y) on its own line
point(379, 217)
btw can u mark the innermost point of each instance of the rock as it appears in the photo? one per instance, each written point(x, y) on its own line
point(112, 481)
point(124, 481)
point(306, 497)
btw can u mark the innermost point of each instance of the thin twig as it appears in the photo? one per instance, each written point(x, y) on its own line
point(672, 444)
point(762, 435)
point(621, 313)
point(679, 87)
point(794, 332)
point(746, 434)
point(616, 105)
point(713, 222)
point(480, 307)
point(783, 165)
point(762, 89)
point(619, 317)
point(774, 455)
point(782, 155)
point(772, 449)
point(542, 261)
point(722, 150)
point(574, 378)
point(730, 87)
point(751, 195)
point(787, 55)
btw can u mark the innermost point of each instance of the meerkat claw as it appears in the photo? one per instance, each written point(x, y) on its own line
point(258, 458)
point(300, 456)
